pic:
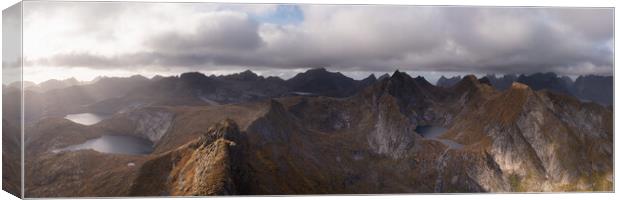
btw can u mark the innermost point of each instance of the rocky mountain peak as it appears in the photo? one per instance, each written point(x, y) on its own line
point(246, 75)
point(468, 82)
point(384, 76)
point(322, 82)
point(485, 80)
point(192, 76)
point(471, 78)
point(317, 70)
point(370, 77)
point(227, 129)
point(400, 75)
point(518, 86)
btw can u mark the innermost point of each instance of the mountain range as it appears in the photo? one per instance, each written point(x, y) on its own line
point(320, 132)
point(594, 88)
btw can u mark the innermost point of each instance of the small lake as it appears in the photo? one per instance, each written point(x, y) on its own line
point(114, 144)
point(85, 118)
point(433, 132)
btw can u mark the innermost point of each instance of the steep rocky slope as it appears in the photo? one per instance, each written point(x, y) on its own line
point(209, 165)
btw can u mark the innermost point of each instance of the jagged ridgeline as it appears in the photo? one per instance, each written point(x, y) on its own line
point(319, 132)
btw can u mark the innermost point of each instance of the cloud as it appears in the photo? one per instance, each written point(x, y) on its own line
point(218, 31)
point(351, 38)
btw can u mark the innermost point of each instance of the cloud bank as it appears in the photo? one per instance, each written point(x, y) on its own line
point(348, 38)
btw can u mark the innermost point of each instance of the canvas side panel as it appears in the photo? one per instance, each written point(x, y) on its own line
point(12, 87)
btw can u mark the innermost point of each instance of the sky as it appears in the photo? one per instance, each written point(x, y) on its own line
point(89, 39)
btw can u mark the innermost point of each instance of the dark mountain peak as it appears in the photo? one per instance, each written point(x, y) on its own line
point(485, 80)
point(400, 76)
point(421, 80)
point(138, 77)
point(448, 82)
point(491, 76)
point(274, 78)
point(401, 84)
point(384, 76)
point(510, 76)
point(468, 83)
point(469, 80)
point(104, 79)
point(247, 71)
point(398, 73)
point(322, 82)
point(540, 75)
point(193, 79)
point(157, 77)
point(246, 75)
point(593, 77)
point(370, 79)
point(595, 88)
point(317, 70)
point(503, 82)
point(192, 76)
point(549, 81)
point(317, 73)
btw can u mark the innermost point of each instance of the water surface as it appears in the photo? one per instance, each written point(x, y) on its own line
point(85, 118)
point(114, 144)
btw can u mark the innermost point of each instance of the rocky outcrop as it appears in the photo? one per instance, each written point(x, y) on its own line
point(393, 133)
point(210, 165)
point(151, 123)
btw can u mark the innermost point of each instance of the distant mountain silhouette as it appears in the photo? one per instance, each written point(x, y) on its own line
point(448, 82)
point(595, 88)
point(322, 82)
point(588, 88)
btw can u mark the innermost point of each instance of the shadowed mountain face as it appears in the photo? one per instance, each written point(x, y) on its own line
point(502, 83)
point(593, 88)
point(245, 134)
point(548, 81)
point(321, 82)
point(448, 82)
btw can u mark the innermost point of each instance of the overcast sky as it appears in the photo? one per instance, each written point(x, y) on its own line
point(87, 39)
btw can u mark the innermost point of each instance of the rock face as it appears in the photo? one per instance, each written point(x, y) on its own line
point(209, 165)
point(533, 142)
point(151, 123)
